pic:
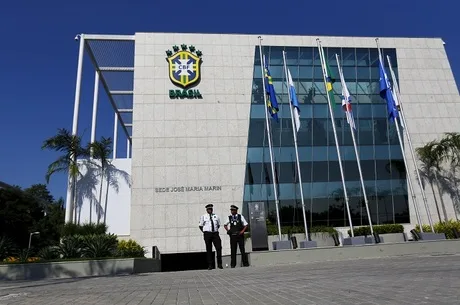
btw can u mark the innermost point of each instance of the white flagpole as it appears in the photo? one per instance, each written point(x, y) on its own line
point(262, 65)
point(323, 66)
point(401, 144)
point(294, 134)
point(411, 147)
point(358, 161)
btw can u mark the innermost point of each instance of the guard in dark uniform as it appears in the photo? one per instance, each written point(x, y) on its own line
point(236, 231)
point(209, 225)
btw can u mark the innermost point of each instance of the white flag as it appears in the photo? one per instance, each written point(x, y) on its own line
point(294, 102)
point(346, 99)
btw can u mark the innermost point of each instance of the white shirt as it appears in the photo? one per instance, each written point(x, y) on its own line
point(205, 222)
point(243, 220)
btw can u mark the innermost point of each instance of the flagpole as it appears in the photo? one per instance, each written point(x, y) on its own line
point(294, 134)
point(358, 161)
point(401, 144)
point(262, 65)
point(320, 48)
point(402, 117)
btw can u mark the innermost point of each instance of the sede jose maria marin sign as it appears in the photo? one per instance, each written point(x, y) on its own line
point(184, 71)
point(182, 189)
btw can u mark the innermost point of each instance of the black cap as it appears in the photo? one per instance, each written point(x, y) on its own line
point(233, 207)
point(209, 206)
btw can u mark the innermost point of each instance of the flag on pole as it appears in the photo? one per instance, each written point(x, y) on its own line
point(294, 102)
point(386, 92)
point(346, 101)
point(272, 103)
point(329, 79)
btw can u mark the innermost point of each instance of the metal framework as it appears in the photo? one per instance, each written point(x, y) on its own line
point(112, 57)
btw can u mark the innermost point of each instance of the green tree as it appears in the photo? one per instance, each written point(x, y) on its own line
point(71, 149)
point(451, 147)
point(432, 155)
point(101, 151)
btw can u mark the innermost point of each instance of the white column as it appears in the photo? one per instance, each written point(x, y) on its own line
point(71, 183)
point(95, 101)
point(115, 136)
point(128, 148)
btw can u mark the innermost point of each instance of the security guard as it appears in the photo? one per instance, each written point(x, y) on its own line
point(209, 225)
point(236, 231)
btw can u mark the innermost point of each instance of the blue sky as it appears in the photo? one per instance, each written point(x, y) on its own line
point(39, 55)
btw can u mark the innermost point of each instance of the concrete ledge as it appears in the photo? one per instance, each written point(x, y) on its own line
point(269, 258)
point(74, 269)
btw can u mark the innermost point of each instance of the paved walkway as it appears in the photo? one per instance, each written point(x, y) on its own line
point(401, 281)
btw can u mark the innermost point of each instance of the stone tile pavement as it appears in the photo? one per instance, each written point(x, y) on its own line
point(403, 281)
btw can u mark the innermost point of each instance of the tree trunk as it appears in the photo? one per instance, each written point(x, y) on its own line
point(435, 201)
point(91, 211)
point(455, 202)
point(446, 218)
point(106, 200)
point(100, 195)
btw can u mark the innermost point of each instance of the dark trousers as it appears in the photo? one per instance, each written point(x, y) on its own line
point(234, 241)
point(213, 238)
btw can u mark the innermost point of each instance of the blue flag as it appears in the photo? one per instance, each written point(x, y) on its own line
point(387, 93)
point(272, 103)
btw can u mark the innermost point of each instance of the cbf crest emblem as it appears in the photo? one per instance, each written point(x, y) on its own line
point(184, 66)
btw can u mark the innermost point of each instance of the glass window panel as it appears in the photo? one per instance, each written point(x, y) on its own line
point(316, 58)
point(305, 88)
point(292, 56)
point(318, 74)
point(348, 57)
point(401, 209)
point(349, 73)
point(256, 137)
point(398, 170)
point(363, 99)
point(319, 132)
point(380, 131)
point(257, 72)
point(320, 153)
point(320, 98)
point(379, 110)
point(320, 111)
point(276, 72)
point(258, 112)
point(375, 73)
point(347, 152)
point(366, 152)
point(383, 169)
point(363, 111)
point(305, 72)
point(395, 152)
point(374, 58)
point(393, 135)
point(320, 189)
point(365, 132)
point(305, 136)
point(276, 56)
point(362, 57)
point(306, 171)
point(363, 88)
point(331, 52)
point(320, 211)
point(320, 171)
point(363, 73)
point(381, 152)
point(306, 56)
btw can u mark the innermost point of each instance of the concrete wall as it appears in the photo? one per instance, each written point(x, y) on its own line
point(69, 269)
point(202, 142)
point(119, 196)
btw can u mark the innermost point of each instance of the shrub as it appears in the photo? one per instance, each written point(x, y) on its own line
point(70, 246)
point(49, 253)
point(130, 249)
point(71, 229)
point(98, 246)
point(442, 227)
point(7, 247)
point(380, 229)
point(273, 230)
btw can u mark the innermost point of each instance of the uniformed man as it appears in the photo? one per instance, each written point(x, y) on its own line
point(209, 225)
point(236, 231)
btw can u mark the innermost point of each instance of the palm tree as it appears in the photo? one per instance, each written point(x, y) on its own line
point(432, 155)
point(451, 146)
point(70, 147)
point(101, 151)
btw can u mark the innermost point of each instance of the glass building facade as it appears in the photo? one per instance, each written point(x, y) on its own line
point(380, 153)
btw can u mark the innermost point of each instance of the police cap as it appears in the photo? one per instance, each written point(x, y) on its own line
point(209, 206)
point(233, 207)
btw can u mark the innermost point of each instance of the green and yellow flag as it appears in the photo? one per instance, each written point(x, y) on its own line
point(329, 80)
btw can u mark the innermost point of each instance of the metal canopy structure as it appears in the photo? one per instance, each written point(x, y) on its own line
point(112, 57)
point(113, 60)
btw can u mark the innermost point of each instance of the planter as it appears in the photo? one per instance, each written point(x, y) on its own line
point(393, 238)
point(75, 269)
point(323, 239)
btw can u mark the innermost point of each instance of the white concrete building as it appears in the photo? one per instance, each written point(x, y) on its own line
point(206, 144)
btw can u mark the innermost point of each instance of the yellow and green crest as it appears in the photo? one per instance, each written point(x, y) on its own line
point(184, 66)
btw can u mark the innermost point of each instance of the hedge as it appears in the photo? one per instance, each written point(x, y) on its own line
point(379, 229)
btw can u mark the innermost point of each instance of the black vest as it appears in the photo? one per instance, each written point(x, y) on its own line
point(235, 225)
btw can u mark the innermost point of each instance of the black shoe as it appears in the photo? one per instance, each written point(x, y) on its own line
point(232, 267)
point(209, 268)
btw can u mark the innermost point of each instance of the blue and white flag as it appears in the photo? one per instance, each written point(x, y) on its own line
point(294, 102)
